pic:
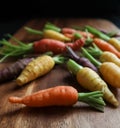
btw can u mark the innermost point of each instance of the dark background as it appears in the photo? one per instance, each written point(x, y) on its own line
point(13, 14)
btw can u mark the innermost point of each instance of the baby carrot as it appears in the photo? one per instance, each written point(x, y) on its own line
point(80, 60)
point(55, 35)
point(38, 67)
point(105, 46)
point(61, 95)
point(90, 80)
point(109, 71)
point(113, 41)
point(40, 46)
point(103, 56)
point(110, 57)
point(48, 33)
point(72, 31)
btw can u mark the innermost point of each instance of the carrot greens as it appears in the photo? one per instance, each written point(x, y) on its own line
point(97, 32)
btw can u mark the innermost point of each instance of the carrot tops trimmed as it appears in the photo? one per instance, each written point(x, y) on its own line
point(61, 95)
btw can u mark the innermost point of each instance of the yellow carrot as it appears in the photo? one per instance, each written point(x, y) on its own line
point(115, 42)
point(90, 80)
point(108, 68)
point(109, 71)
point(103, 56)
point(38, 67)
point(55, 35)
point(109, 57)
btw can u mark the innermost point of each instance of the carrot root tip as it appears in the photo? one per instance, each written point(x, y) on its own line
point(15, 99)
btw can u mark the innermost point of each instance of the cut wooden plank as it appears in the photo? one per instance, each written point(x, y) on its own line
point(78, 116)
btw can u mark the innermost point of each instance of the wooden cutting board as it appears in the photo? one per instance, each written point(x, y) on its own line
point(78, 116)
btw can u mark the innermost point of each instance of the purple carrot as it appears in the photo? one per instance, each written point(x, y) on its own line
point(81, 60)
point(13, 70)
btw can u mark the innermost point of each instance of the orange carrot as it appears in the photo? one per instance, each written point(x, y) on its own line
point(105, 46)
point(86, 34)
point(71, 31)
point(103, 56)
point(62, 95)
point(68, 30)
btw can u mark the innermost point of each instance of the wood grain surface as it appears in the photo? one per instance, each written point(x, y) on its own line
point(78, 116)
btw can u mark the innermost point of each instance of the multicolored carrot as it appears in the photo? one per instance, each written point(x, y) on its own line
point(90, 80)
point(61, 95)
point(38, 67)
point(109, 71)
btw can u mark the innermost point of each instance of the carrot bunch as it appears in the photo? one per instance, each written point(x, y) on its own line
point(65, 34)
point(90, 80)
point(103, 56)
point(106, 40)
point(90, 73)
point(49, 33)
point(61, 95)
point(105, 46)
point(109, 70)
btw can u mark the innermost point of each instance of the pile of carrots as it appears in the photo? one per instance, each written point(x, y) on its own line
point(88, 53)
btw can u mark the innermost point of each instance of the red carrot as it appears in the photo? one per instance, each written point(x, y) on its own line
point(104, 46)
point(55, 46)
point(62, 95)
point(40, 46)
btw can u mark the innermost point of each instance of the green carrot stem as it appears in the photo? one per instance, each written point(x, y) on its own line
point(88, 40)
point(10, 50)
point(94, 99)
point(77, 35)
point(97, 33)
point(73, 66)
point(94, 50)
point(59, 59)
point(90, 57)
point(51, 26)
point(33, 31)
point(16, 40)
point(77, 27)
